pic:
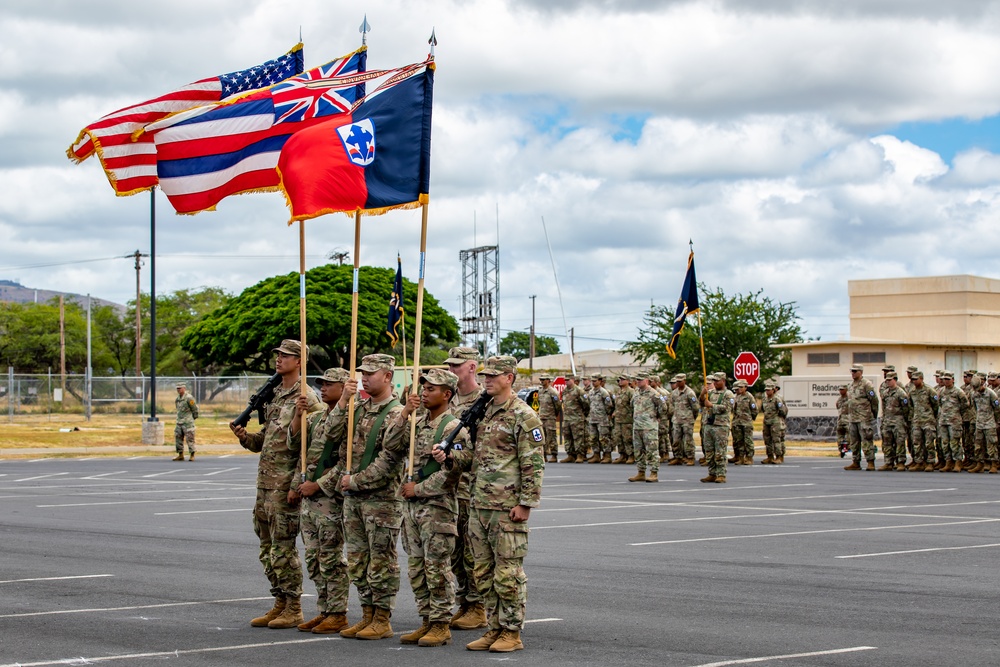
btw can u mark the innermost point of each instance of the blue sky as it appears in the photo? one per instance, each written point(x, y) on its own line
point(951, 136)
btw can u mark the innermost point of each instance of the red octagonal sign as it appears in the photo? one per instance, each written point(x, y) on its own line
point(747, 367)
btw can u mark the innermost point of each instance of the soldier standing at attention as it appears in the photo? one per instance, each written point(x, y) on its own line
point(373, 512)
point(863, 406)
point(507, 467)
point(275, 522)
point(685, 404)
point(968, 421)
point(923, 424)
point(987, 413)
point(953, 403)
point(895, 421)
point(775, 411)
point(744, 413)
point(187, 412)
point(601, 407)
point(622, 434)
point(574, 422)
point(647, 405)
point(321, 512)
point(549, 411)
point(936, 395)
point(663, 426)
point(718, 406)
point(843, 421)
point(910, 370)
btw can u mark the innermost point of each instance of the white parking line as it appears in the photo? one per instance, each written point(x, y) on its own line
point(542, 620)
point(219, 472)
point(135, 458)
point(105, 474)
point(143, 502)
point(787, 656)
point(79, 576)
point(161, 474)
point(144, 606)
point(28, 479)
point(917, 551)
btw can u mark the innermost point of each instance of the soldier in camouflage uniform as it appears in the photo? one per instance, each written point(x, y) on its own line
point(969, 421)
point(775, 410)
point(601, 408)
point(549, 411)
point(685, 409)
point(574, 422)
point(923, 428)
point(952, 405)
point(275, 522)
point(663, 427)
point(647, 405)
point(938, 442)
point(373, 512)
point(843, 421)
point(321, 516)
point(910, 370)
point(987, 407)
point(507, 468)
point(744, 413)
point(187, 412)
point(863, 406)
point(895, 422)
point(718, 406)
point(621, 432)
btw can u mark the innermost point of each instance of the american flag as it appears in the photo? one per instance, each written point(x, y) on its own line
point(130, 161)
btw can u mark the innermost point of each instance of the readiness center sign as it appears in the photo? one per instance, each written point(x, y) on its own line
point(811, 396)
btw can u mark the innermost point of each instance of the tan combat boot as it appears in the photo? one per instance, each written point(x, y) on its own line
point(675, 462)
point(689, 462)
point(290, 616)
point(509, 640)
point(630, 460)
point(606, 458)
point(994, 468)
point(414, 637)
point(871, 465)
point(720, 480)
point(439, 635)
point(367, 614)
point(331, 625)
point(854, 466)
point(748, 460)
point(931, 467)
point(484, 642)
point(595, 458)
point(379, 628)
point(580, 458)
point(948, 466)
point(621, 459)
point(652, 477)
point(262, 621)
point(708, 480)
point(309, 625)
point(191, 457)
point(979, 467)
point(638, 477)
point(568, 459)
point(473, 618)
point(767, 461)
point(916, 467)
point(179, 457)
point(958, 466)
point(462, 608)
point(780, 460)
point(886, 466)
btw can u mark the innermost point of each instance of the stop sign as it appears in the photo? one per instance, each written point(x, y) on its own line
point(747, 367)
point(559, 384)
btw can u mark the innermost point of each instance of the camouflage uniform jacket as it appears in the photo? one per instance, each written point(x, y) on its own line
point(924, 406)
point(843, 411)
point(575, 406)
point(187, 410)
point(459, 404)
point(862, 401)
point(952, 402)
point(774, 408)
point(549, 405)
point(895, 407)
point(987, 407)
point(623, 407)
point(318, 429)
point(601, 406)
point(969, 411)
point(381, 479)
point(647, 406)
point(278, 460)
point(685, 405)
point(439, 488)
point(667, 413)
point(506, 461)
point(722, 403)
point(746, 409)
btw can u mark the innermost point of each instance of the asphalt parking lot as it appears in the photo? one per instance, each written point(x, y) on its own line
point(144, 561)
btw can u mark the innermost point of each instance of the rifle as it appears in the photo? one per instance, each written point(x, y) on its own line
point(470, 419)
point(259, 401)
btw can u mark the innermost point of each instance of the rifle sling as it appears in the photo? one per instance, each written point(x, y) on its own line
point(432, 465)
point(371, 445)
point(328, 458)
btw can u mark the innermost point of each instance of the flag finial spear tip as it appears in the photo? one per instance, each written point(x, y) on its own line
point(364, 30)
point(433, 40)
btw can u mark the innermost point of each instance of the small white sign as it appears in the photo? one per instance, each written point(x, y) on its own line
point(57, 395)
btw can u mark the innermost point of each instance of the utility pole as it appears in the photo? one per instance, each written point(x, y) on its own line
point(62, 346)
point(531, 343)
point(572, 336)
point(138, 313)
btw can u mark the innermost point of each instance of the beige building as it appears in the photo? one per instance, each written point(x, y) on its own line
point(609, 362)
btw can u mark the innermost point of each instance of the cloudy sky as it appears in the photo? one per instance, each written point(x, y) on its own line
point(798, 144)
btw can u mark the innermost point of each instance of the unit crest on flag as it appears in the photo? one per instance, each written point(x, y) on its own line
point(359, 141)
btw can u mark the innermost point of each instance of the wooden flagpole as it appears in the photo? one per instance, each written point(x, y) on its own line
point(354, 337)
point(304, 353)
point(416, 330)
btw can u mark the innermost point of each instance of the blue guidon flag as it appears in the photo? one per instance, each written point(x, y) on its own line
point(687, 304)
point(396, 312)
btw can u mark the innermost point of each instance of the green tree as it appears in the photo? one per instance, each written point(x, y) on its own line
point(29, 337)
point(748, 322)
point(175, 314)
point(518, 344)
point(240, 335)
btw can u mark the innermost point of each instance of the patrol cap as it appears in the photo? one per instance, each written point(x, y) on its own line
point(459, 355)
point(574, 378)
point(740, 383)
point(769, 385)
point(977, 381)
point(969, 373)
point(887, 368)
point(624, 376)
point(643, 375)
point(653, 376)
point(441, 378)
point(179, 385)
point(843, 387)
point(857, 367)
point(545, 377)
point(918, 374)
point(332, 375)
point(372, 363)
point(891, 375)
point(499, 365)
point(938, 373)
point(680, 377)
point(674, 380)
point(993, 375)
point(947, 375)
point(596, 376)
point(911, 369)
point(289, 346)
point(719, 376)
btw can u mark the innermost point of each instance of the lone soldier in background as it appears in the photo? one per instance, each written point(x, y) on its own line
point(968, 421)
point(647, 405)
point(549, 411)
point(574, 422)
point(923, 426)
point(774, 409)
point(685, 403)
point(843, 421)
point(744, 413)
point(187, 412)
point(953, 403)
point(601, 407)
point(321, 512)
point(895, 421)
point(987, 412)
point(507, 467)
point(718, 406)
point(275, 522)
point(621, 436)
point(863, 406)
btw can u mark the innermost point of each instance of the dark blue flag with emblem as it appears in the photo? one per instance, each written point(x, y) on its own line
point(396, 305)
point(686, 305)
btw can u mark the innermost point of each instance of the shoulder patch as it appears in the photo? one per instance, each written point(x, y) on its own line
point(536, 434)
point(871, 393)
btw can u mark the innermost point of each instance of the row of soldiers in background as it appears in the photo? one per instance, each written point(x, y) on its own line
point(642, 412)
point(464, 530)
point(944, 428)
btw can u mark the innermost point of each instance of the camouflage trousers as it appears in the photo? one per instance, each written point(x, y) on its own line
point(969, 439)
point(862, 441)
point(276, 524)
point(715, 442)
point(774, 439)
point(371, 531)
point(551, 438)
point(599, 438)
point(683, 440)
point(461, 558)
point(894, 442)
point(498, 547)
point(429, 539)
point(842, 429)
point(951, 442)
point(646, 448)
point(621, 439)
point(742, 440)
point(923, 443)
point(664, 438)
point(574, 435)
point(322, 523)
point(183, 434)
point(986, 444)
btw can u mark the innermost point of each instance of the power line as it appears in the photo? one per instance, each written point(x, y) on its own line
point(175, 255)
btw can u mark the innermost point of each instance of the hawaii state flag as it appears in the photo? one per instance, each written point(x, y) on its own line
point(373, 159)
point(687, 304)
